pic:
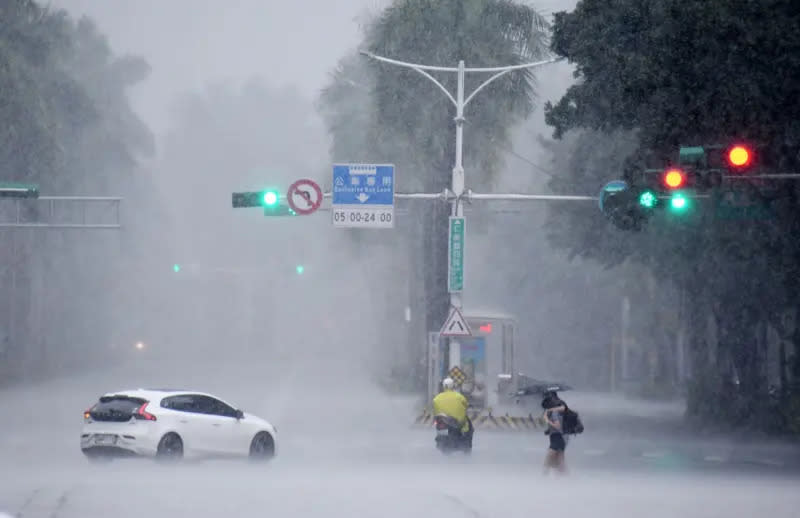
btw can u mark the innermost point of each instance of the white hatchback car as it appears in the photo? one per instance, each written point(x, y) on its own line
point(171, 424)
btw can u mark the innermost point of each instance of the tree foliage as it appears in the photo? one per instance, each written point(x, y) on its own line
point(375, 111)
point(691, 72)
point(67, 126)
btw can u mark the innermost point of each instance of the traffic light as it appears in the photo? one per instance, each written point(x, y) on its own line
point(176, 268)
point(299, 269)
point(270, 199)
point(739, 157)
point(679, 202)
point(18, 190)
point(648, 199)
point(627, 208)
point(675, 188)
point(712, 160)
point(674, 178)
point(267, 198)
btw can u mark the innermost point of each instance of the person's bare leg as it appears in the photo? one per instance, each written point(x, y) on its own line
point(562, 463)
point(549, 461)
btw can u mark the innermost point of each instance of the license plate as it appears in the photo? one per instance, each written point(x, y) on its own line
point(105, 439)
point(441, 432)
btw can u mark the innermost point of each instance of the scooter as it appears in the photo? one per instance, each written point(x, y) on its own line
point(448, 435)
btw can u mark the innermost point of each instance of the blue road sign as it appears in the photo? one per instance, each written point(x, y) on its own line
point(363, 184)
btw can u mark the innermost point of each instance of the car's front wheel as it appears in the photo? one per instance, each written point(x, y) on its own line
point(262, 447)
point(170, 447)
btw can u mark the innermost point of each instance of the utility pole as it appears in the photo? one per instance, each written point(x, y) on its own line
point(457, 178)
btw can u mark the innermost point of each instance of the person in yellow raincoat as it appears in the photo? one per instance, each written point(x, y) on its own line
point(452, 403)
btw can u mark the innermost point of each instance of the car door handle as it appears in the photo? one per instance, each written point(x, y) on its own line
point(184, 421)
point(215, 424)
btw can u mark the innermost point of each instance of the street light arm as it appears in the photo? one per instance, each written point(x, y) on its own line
point(514, 67)
point(484, 85)
point(406, 64)
point(501, 71)
point(418, 68)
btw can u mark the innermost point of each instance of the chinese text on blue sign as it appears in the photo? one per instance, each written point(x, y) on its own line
point(363, 195)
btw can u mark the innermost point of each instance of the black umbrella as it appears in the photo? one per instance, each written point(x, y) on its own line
point(531, 387)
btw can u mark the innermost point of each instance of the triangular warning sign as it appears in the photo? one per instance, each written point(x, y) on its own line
point(455, 325)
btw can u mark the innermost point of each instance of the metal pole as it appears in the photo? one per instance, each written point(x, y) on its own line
point(13, 340)
point(457, 186)
point(457, 179)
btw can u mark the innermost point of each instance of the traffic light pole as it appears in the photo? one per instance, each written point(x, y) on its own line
point(457, 178)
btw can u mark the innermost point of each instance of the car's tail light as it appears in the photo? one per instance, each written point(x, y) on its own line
point(142, 413)
point(87, 414)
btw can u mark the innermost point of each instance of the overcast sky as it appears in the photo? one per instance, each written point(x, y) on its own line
point(191, 42)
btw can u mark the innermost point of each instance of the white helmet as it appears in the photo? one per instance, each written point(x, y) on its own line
point(448, 383)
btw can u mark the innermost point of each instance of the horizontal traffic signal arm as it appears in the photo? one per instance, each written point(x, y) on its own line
point(18, 190)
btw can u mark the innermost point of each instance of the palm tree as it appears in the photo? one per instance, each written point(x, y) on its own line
point(404, 118)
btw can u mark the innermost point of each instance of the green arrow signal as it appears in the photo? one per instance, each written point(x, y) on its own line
point(648, 199)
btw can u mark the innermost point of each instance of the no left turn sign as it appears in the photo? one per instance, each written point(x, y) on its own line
point(304, 196)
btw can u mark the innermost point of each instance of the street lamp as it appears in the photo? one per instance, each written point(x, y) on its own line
point(457, 178)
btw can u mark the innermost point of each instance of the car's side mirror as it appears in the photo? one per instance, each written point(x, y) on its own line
point(239, 414)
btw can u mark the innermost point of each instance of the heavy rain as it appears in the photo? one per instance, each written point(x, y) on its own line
point(607, 227)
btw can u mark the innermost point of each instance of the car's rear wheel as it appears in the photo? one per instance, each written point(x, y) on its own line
point(262, 447)
point(170, 447)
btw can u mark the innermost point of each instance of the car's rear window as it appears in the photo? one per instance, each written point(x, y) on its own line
point(116, 408)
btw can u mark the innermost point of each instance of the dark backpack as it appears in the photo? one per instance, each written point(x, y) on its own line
point(571, 423)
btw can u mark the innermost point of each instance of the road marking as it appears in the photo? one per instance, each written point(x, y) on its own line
point(713, 458)
point(39, 503)
point(771, 462)
point(653, 454)
point(466, 507)
point(594, 452)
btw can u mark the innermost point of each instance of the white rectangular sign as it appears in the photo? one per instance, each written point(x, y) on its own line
point(364, 217)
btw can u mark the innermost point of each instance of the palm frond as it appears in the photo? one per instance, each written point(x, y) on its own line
point(523, 26)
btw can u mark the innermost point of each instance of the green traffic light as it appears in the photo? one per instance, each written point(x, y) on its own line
point(176, 268)
point(679, 202)
point(299, 269)
point(648, 199)
point(270, 198)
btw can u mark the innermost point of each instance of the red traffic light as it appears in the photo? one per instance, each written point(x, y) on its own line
point(739, 156)
point(674, 178)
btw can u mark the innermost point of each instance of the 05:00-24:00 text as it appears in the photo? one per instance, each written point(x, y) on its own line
point(361, 217)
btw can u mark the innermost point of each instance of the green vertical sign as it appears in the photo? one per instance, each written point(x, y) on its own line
point(455, 255)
